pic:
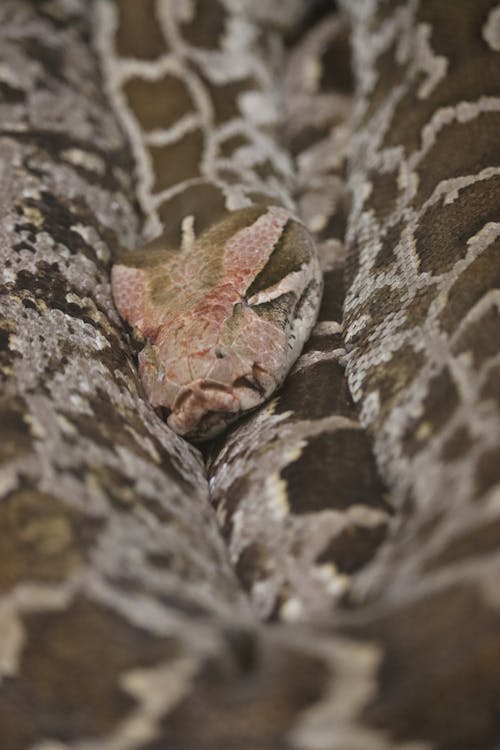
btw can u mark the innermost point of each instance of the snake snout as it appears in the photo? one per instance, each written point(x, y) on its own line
point(199, 400)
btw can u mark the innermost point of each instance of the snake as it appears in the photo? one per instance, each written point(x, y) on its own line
point(227, 313)
point(322, 575)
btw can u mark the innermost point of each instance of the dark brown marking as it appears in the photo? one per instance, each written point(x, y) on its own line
point(291, 251)
point(158, 104)
point(278, 311)
point(336, 67)
point(266, 169)
point(259, 689)
point(227, 504)
point(382, 302)
point(353, 548)
point(204, 201)
point(301, 138)
point(229, 145)
point(225, 98)
point(439, 404)
point(18, 438)
point(488, 470)
point(11, 95)
point(389, 74)
point(472, 69)
point(336, 224)
point(316, 391)
point(207, 25)
point(333, 295)
point(139, 34)
point(392, 378)
point(449, 640)
point(176, 162)
point(252, 565)
point(44, 538)
point(491, 386)
point(385, 191)
point(482, 275)
point(461, 148)
point(45, 701)
point(252, 384)
point(458, 445)
point(443, 231)
point(263, 199)
point(352, 476)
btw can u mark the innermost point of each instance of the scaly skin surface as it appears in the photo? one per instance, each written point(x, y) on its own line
point(123, 625)
point(204, 125)
point(215, 349)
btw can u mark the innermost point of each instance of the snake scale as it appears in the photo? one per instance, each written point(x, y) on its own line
point(133, 616)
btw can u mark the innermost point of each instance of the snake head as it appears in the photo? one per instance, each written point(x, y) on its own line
point(203, 388)
point(224, 320)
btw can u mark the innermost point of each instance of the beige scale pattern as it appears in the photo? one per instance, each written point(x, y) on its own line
point(294, 539)
point(421, 314)
point(127, 622)
point(228, 292)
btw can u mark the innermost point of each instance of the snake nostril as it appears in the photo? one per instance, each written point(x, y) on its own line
point(219, 354)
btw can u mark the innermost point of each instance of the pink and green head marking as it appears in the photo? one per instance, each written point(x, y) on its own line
point(224, 318)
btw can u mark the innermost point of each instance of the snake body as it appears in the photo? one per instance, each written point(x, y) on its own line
point(228, 315)
point(127, 621)
point(298, 536)
point(226, 312)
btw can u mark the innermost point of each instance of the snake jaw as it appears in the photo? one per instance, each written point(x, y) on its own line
point(199, 399)
point(204, 391)
point(205, 407)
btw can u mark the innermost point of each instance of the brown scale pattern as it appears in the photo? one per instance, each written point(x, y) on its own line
point(285, 519)
point(418, 362)
point(122, 623)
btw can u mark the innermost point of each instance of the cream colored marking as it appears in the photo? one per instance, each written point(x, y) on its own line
point(81, 158)
point(188, 235)
point(327, 328)
point(491, 29)
point(11, 642)
point(434, 65)
point(332, 723)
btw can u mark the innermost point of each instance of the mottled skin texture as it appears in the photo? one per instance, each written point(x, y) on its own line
point(123, 625)
point(215, 349)
point(298, 534)
point(204, 127)
point(421, 313)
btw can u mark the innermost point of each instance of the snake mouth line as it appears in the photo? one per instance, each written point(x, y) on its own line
point(251, 383)
point(200, 391)
point(199, 409)
point(204, 407)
